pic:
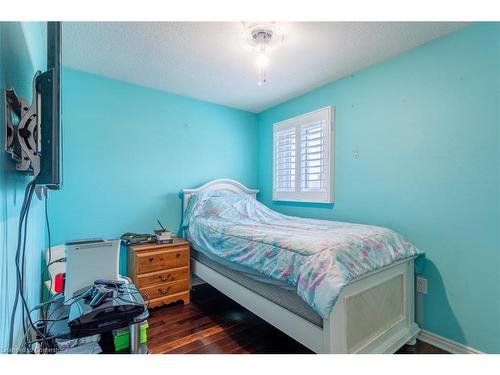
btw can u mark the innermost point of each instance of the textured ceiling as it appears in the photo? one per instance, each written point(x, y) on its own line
point(210, 60)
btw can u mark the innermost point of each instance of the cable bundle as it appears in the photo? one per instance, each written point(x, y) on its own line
point(20, 258)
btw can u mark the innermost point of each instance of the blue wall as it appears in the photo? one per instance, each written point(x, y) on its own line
point(130, 150)
point(427, 128)
point(22, 52)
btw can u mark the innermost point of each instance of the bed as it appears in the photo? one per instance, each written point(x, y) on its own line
point(369, 312)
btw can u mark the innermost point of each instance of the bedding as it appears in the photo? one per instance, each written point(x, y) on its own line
point(245, 271)
point(317, 257)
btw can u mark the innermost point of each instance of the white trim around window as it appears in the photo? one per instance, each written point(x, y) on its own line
point(303, 158)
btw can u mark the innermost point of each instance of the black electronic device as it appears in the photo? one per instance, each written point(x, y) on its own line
point(32, 132)
point(98, 308)
point(110, 283)
point(101, 295)
point(129, 239)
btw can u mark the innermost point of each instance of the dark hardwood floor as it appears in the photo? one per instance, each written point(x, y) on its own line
point(213, 323)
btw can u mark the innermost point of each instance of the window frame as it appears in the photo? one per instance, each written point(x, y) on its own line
point(326, 195)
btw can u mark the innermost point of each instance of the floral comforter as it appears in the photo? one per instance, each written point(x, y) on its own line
point(318, 257)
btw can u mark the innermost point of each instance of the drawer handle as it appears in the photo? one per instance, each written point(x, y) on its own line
point(164, 279)
point(162, 291)
point(151, 259)
point(178, 255)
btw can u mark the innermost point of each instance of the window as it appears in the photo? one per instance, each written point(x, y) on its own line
point(302, 162)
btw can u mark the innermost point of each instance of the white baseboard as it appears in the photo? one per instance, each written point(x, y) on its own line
point(446, 344)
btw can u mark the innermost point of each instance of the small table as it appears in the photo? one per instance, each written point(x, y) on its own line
point(58, 327)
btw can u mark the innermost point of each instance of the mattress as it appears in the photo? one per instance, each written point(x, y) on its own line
point(282, 296)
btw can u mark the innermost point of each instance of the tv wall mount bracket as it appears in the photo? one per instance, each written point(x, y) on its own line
point(22, 129)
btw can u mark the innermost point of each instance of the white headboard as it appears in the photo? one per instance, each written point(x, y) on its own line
point(219, 184)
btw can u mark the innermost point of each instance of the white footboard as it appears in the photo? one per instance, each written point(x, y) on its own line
point(374, 314)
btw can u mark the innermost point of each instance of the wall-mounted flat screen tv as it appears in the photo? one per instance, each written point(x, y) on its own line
point(49, 88)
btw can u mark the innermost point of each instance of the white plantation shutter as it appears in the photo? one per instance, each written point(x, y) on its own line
point(302, 158)
point(312, 156)
point(285, 160)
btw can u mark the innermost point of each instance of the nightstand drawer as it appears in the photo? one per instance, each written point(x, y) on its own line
point(161, 260)
point(166, 289)
point(165, 276)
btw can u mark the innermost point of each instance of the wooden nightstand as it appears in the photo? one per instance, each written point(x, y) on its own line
point(161, 271)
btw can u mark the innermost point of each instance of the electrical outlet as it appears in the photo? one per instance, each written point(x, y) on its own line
point(421, 285)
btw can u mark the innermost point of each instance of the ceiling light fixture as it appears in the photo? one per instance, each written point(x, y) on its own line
point(263, 38)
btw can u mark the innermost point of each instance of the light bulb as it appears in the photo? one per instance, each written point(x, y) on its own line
point(262, 60)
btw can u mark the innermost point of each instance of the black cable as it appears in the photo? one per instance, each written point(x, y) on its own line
point(23, 254)
point(49, 261)
point(51, 300)
point(52, 320)
point(23, 269)
point(42, 339)
point(73, 300)
point(21, 250)
point(62, 305)
point(20, 274)
point(60, 260)
point(16, 300)
point(23, 261)
point(26, 308)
